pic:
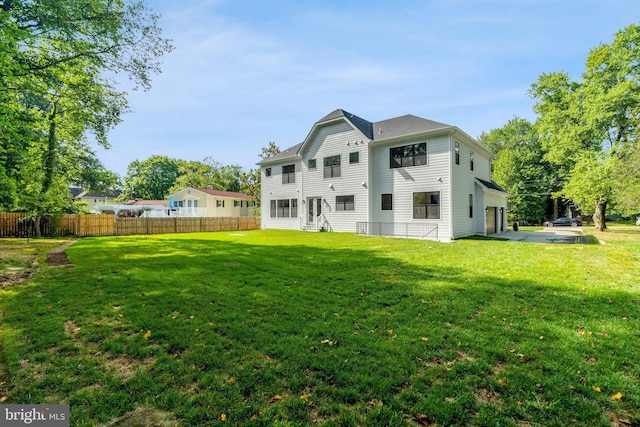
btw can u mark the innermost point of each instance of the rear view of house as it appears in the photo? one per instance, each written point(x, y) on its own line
point(405, 176)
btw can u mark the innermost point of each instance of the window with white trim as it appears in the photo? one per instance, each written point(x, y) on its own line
point(288, 174)
point(426, 205)
point(345, 203)
point(332, 166)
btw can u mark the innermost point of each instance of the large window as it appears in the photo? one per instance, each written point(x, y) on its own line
point(288, 174)
point(332, 166)
point(284, 208)
point(408, 155)
point(387, 202)
point(426, 205)
point(345, 203)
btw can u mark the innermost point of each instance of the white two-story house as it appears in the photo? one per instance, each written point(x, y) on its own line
point(405, 177)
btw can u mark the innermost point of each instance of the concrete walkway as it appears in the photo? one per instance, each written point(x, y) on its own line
point(547, 235)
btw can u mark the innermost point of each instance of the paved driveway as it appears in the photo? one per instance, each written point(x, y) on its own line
point(546, 235)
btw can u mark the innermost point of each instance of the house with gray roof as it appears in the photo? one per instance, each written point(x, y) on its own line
point(404, 177)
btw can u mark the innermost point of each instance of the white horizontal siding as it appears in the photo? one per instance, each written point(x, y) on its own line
point(272, 188)
point(331, 140)
point(403, 182)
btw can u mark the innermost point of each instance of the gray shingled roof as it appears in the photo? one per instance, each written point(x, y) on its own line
point(404, 125)
point(284, 154)
point(364, 126)
point(491, 185)
point(390, 128)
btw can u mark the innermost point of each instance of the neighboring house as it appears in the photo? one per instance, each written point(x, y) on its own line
point(405, 176)
point(92, 199)
point(207, 202)
point(136, 208)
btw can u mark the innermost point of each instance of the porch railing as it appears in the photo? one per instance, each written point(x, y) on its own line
point(412, 230)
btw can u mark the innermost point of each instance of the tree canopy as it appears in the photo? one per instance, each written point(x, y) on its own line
point(589, 129)
point(55, 57)
point(520, 169)
point(159, 176)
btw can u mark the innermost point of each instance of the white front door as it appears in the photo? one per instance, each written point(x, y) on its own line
point(314, 210)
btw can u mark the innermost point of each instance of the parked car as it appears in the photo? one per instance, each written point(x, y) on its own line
point(572, 222)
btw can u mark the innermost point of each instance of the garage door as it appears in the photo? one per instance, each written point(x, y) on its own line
point(491, 220)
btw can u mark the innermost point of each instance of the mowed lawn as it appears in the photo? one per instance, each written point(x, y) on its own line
point(288, 328)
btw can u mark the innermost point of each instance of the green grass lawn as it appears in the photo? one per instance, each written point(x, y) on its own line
point(289, 328)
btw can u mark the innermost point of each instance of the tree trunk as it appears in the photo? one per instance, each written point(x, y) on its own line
point(49, 165)
point(598, 216)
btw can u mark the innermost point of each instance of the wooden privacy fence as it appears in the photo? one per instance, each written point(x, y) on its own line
point(16, 224)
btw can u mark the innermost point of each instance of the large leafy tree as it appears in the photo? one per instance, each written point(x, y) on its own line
point(590, 128)
point(208, 173)
point(151, 179)
point(520, 169)
point(54, 57)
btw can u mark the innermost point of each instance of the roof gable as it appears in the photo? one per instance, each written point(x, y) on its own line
point(364, 126)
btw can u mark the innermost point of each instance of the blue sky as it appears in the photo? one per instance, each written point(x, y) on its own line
point(244, 73)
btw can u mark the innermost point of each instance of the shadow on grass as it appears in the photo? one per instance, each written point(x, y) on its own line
point(314, 330)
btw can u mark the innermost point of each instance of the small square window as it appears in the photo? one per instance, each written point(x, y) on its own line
point(312, 163)
point(354, 157)
point(267, 172)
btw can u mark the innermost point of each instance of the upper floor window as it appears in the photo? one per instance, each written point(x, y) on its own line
point(457, 152)
point(312, 163)
point(288, 174)
point(471, 160)
point(354, 157)
point(408, 155)
point(426, 205)
point(332, 167)
point(267, 172)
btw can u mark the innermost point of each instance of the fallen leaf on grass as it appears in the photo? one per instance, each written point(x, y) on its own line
point(3, 398)
point(616, 396)
point(305, 397)
point(231, 380)
point(223, 417)
point(147, 334)
point(424, 339)
point(278, 397)
point(502, 382)
point(596, 388)
point(422, 419)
